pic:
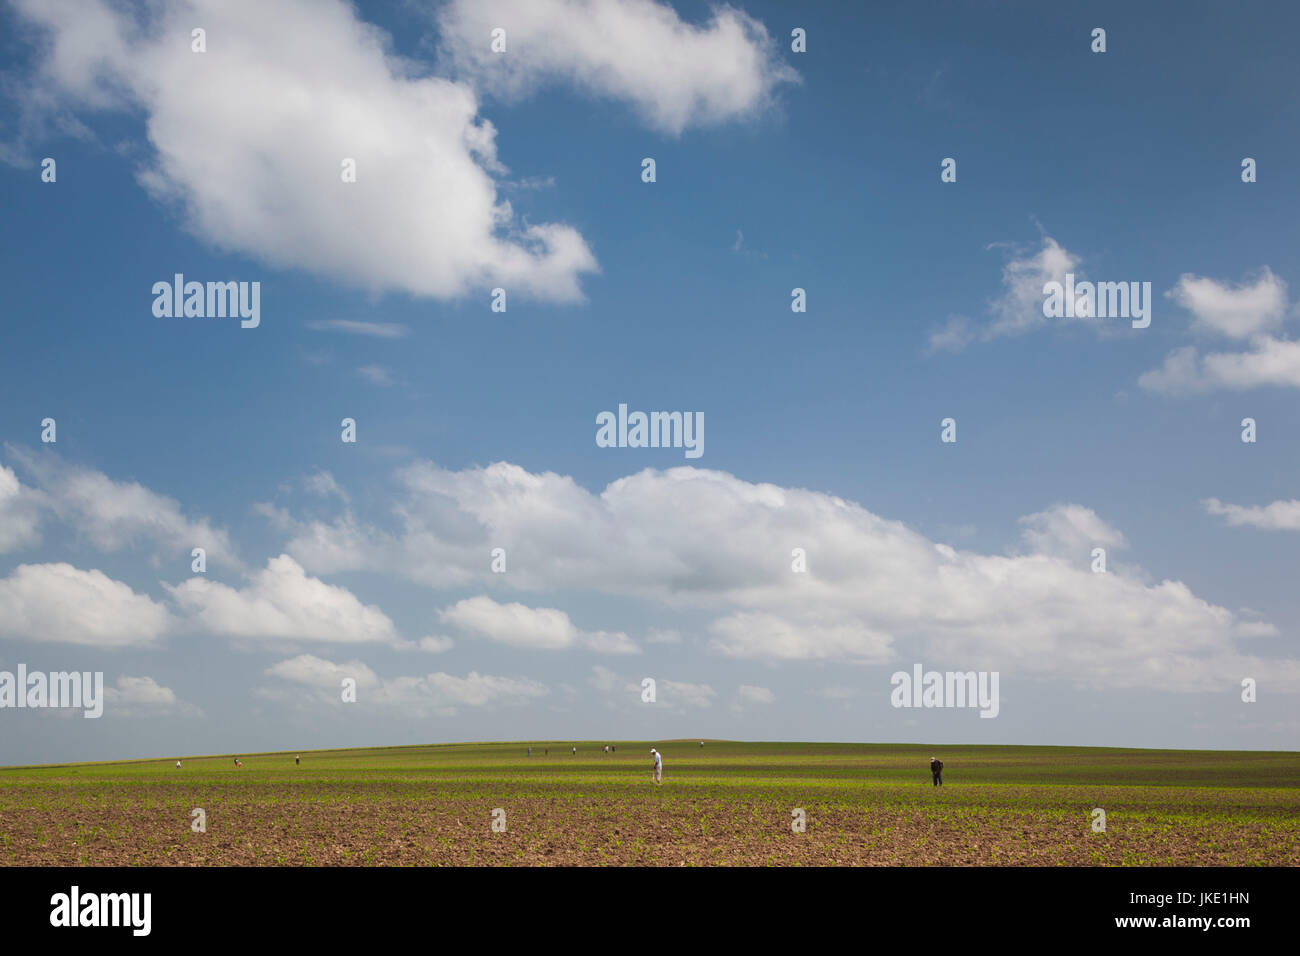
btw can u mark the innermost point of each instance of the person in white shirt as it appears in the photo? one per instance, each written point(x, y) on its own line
point(658, 765)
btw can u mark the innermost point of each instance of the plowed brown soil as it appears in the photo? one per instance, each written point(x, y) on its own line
point(324, 823)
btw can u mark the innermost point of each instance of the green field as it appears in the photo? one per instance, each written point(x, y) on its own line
point(725, 803)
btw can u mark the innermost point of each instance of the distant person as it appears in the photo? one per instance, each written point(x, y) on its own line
point(613, 749)
point(701, 744)
point(936, 770)
point(297, 761)
point(178, 765)
point(575, 751)
point(658, 766)
point(530, 751)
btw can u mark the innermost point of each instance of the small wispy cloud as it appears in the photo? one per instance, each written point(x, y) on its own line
point(375, 375)
point(740, 249)
point(1018, 309)
point(378, 330)
point(1278, 516)
point(529, 182)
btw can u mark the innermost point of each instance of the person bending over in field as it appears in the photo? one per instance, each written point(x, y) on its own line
point(658, 767)
point(936, 771)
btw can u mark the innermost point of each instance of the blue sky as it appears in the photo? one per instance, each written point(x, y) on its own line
point(775, 170)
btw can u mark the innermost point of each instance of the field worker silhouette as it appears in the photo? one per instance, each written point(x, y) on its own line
point(297, 761)
point(936, 770)
point(658, 766)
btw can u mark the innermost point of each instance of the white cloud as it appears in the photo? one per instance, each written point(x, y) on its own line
point(322, 483)
point(283, 604)
point(1240, 311)
point(115, 514)
point(675, 74)
point(481, 690)
point(543, 628)
point(1069, 532)
point(437, 694)
point(1269, 362)
point(436, 644)
point(1020, 307)
point(1253, 312)
point(952, 336)
point(798, 637)
point(19, 513)
point(58, 603)
point(608, 642)
point(312, 671)
point(144, 697)
point(671, 693)
point(704, 541)
point(540, 628)
point(1278, 516)
point(248, 140)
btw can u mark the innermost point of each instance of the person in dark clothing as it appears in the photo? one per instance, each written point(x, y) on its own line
point(936, 770)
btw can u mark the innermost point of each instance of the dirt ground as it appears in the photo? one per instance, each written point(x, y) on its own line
point(288, 825)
